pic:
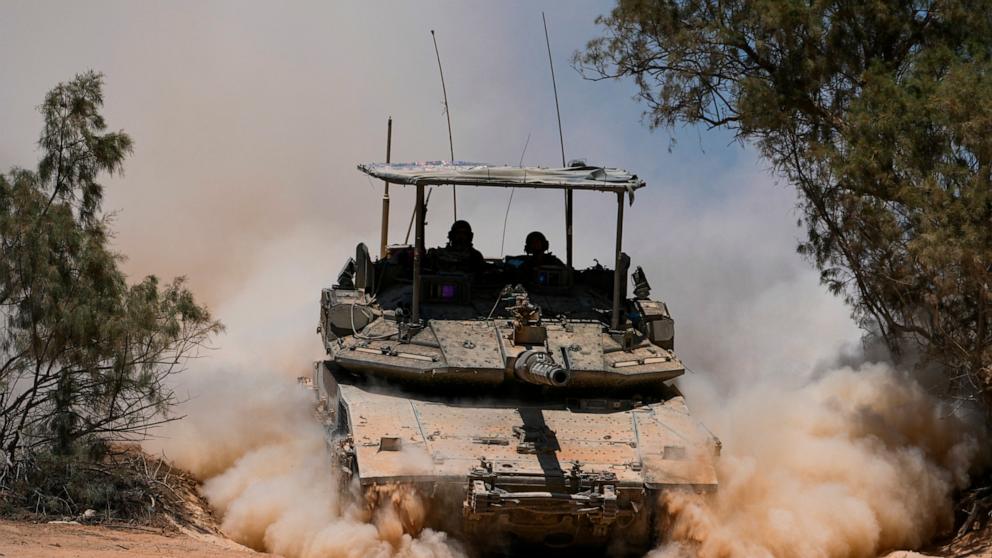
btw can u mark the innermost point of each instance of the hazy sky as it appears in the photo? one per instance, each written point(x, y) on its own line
point(248, 119)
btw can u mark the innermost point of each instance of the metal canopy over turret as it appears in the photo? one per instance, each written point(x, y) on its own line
point(461, 173)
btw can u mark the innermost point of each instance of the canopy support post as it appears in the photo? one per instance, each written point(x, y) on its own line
point(385, 194)
point(568, 227)
point(618, 272)
point(418, 251)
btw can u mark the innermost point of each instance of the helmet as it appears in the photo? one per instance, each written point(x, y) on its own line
point(536, 238)
point(460, 227)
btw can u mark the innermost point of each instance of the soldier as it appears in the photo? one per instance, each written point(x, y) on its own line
point(458, 254)
point(536, 247)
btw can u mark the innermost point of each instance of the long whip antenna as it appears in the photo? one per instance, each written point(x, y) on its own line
point(554, 84)
point(561, 140)
point(447, 113)
point(509, 201)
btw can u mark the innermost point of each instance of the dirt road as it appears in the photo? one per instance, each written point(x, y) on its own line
point(55, 540)
point(61, 540)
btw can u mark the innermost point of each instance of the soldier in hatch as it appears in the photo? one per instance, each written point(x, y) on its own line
point(458, 254)
point(536, 247)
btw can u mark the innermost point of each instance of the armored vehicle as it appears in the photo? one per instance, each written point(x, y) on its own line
point(530, 402)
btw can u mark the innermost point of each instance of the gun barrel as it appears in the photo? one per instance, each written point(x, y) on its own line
point(538, 367)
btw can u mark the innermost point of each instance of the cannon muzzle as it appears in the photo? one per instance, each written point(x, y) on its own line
point(537, 367)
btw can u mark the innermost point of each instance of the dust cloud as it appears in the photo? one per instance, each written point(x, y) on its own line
point(266, 470)
point(854, 463)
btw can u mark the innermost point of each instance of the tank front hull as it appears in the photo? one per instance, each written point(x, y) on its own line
point(523, 521)
point(565, 474)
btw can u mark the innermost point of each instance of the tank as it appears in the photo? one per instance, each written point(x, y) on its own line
point(529, 402)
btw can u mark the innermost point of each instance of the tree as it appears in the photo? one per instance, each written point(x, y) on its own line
point(879, 113)
point(83, 355)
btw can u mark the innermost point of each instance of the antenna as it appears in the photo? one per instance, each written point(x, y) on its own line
point(561, 139)
point(524, 152)
point(451, 149)
point(554, 84)
point(409, 227)
point(384, 234)
point(509, 201)
point(447, 113)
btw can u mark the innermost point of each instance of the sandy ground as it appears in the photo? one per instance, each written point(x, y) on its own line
point(53, 540)
point(60, 540)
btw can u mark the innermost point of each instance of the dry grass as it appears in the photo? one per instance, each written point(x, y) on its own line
point(124, 486)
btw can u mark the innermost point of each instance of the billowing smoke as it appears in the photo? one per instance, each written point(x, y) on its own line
point(267, 472)
point(856, 462)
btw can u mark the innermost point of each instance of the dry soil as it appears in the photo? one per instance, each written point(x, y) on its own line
point(61, 540)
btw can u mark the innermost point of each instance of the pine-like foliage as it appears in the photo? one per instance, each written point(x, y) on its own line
point(84, 356)
point(880, 114)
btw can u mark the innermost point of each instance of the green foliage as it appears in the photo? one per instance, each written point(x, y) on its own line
point(83, 355)
point(880, 113)
point(75, 152)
